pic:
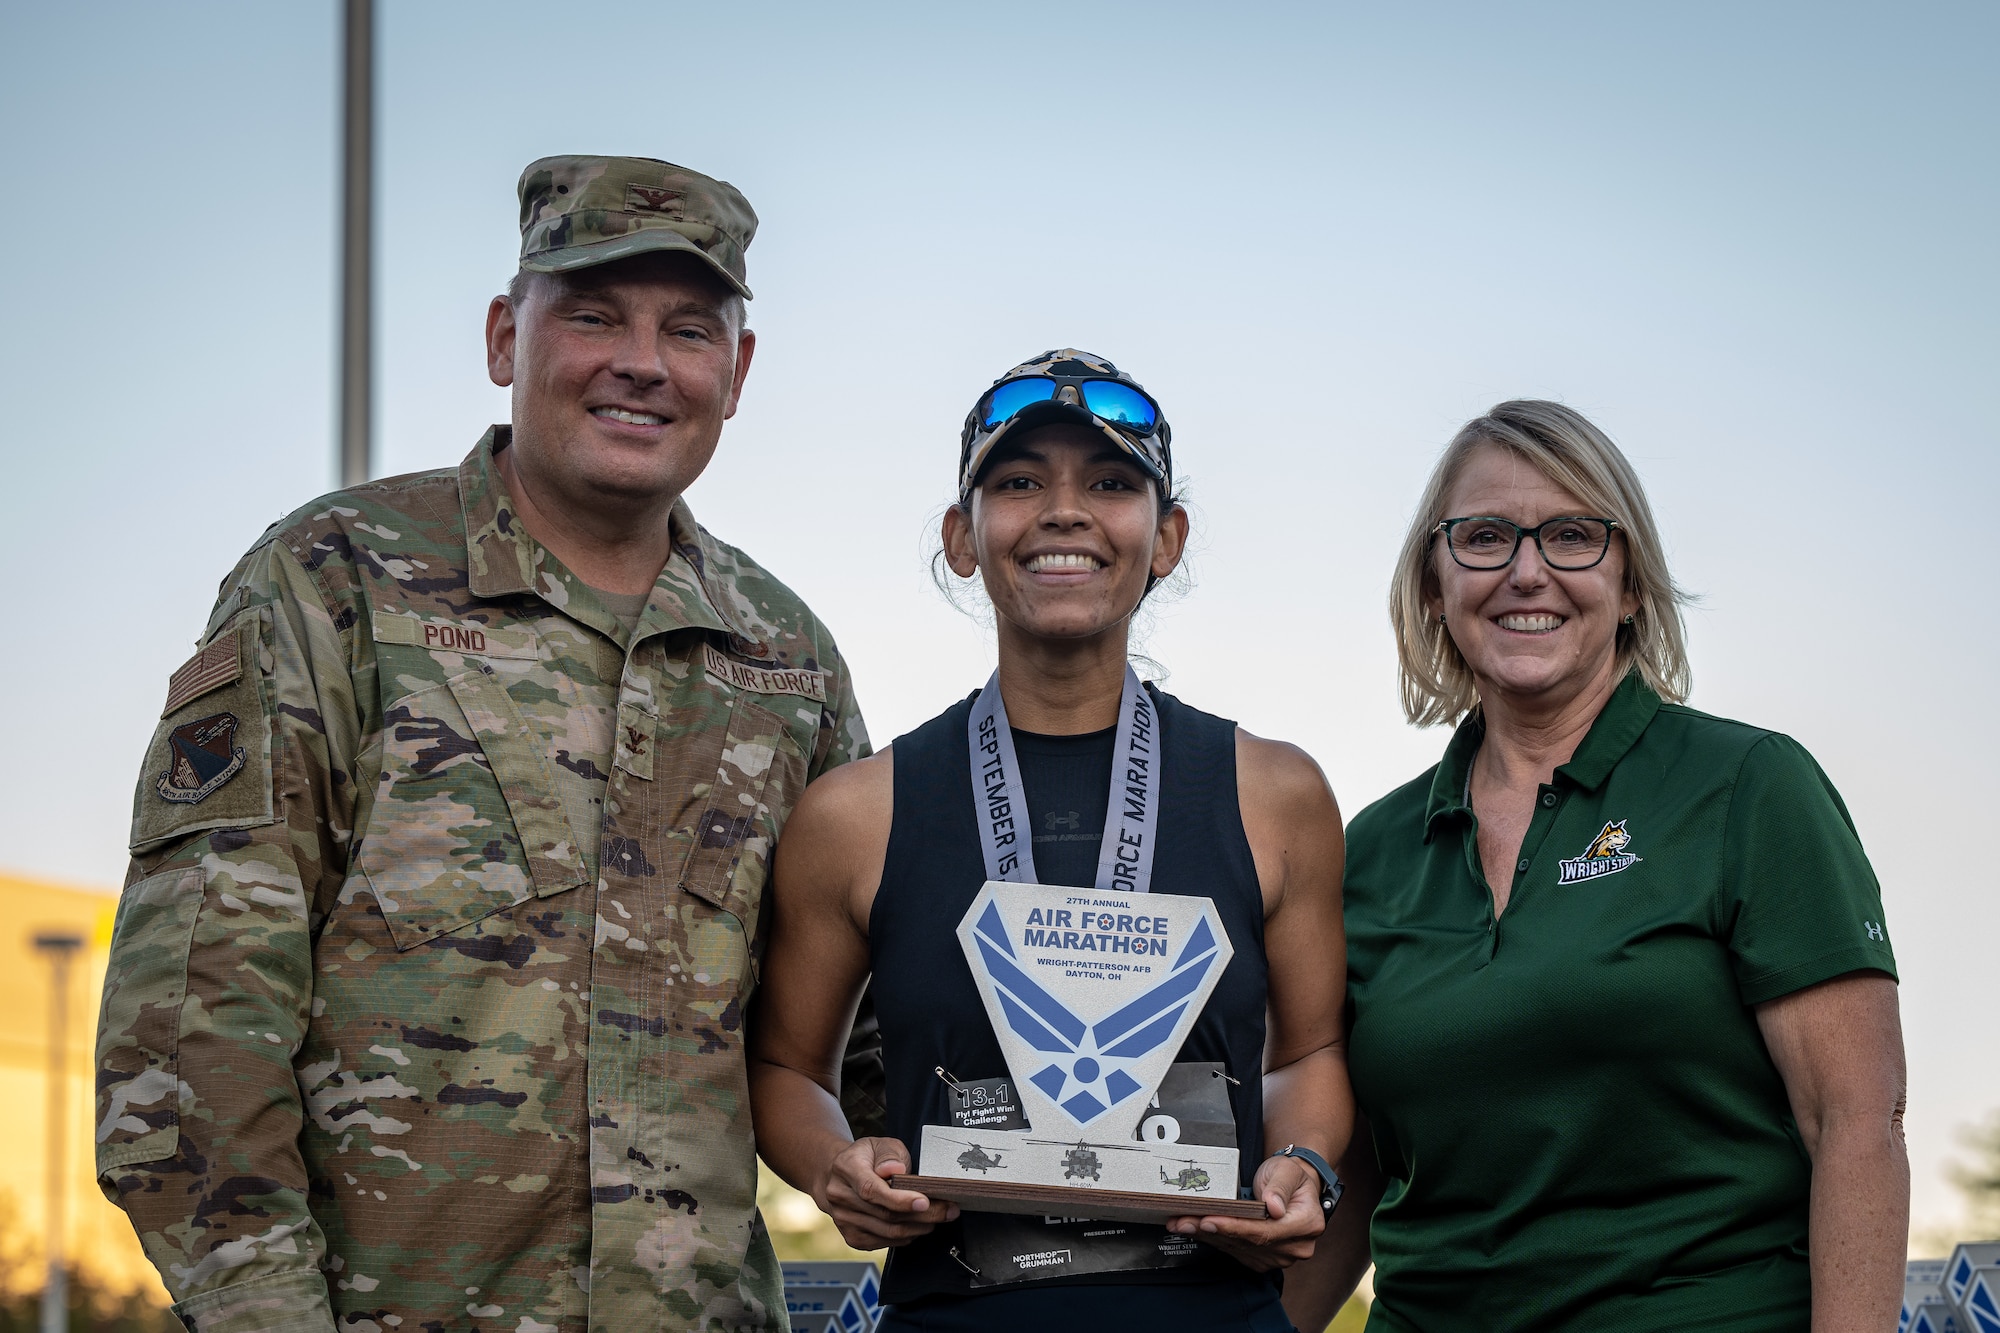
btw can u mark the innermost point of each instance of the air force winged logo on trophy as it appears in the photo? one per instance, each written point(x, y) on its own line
point(1118, 989)
point(1091, 994)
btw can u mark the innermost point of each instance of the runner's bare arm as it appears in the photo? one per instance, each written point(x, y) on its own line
point(1293, 826)
point(1316, 1289)
point(825, 871)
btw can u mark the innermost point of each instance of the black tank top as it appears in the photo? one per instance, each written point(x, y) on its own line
point(927, 1004)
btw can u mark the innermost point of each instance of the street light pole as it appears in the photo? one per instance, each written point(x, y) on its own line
point(59, 949)
point(357, 243)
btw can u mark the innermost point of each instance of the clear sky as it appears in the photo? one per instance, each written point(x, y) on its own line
point(1756, 242)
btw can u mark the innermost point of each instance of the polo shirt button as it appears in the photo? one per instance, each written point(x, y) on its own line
point(1548, 798)
point(1522, 866)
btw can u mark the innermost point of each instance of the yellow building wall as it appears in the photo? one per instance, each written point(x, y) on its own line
point(98, 1239)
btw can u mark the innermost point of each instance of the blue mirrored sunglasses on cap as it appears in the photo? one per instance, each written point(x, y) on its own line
point(1110, 401)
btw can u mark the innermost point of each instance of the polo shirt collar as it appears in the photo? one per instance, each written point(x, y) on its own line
point(503, 560)
point(1623, 719)
point(1454, 771)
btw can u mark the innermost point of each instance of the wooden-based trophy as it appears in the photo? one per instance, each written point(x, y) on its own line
point(1091, 994)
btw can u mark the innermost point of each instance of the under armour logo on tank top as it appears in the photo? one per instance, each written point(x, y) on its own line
point(1131, 816)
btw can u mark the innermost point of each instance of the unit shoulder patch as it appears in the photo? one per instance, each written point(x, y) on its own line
point(1606, 855)
point(763, 680)
point(204, 756)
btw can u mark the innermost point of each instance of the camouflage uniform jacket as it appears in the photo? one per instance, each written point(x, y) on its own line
point(425, 1005)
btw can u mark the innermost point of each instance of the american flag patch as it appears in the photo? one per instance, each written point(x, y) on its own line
point(213, 667)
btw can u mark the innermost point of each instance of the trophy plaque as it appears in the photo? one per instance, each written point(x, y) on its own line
point(1090, 993)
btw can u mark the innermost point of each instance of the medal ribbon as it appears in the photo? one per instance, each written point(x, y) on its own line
point(1131, 815)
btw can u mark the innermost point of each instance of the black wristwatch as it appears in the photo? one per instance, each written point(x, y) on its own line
point(1330, 1188)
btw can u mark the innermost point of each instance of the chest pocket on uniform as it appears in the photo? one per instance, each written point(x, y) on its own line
point(741, 805)
point(466, 819)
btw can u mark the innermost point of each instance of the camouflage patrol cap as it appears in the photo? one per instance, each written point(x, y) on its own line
point(1152, 451)
point(581, 211)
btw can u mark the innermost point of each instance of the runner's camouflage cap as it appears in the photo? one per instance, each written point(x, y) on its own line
point(976, 442)
point(580, 211)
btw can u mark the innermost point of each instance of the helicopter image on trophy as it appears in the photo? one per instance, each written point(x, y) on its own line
point(1080, 1160)
point(1189, 1177)
point(976, 1158)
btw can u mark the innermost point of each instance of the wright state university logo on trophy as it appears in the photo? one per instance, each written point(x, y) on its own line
point(1091, 994)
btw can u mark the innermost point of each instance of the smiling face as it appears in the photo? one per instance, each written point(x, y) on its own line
point(622, 376)
point(1065, 530)
point(1534, 637)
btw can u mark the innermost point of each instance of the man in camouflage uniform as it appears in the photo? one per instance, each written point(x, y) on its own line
point(426, 1000)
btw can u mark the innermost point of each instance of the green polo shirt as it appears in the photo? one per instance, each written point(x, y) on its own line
point(1580, 1124)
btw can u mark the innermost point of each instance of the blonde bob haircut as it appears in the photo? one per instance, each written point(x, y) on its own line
point(1437, 685)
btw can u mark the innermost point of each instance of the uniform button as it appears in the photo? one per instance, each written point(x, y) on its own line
point(1522, 866)
point(1549, 798)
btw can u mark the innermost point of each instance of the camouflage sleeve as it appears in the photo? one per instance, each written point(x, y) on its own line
point(842, 737)
point(241, 822)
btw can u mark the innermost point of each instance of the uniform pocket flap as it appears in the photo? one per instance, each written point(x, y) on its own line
point(466, 821)
point(525, 779)
point(740, 811)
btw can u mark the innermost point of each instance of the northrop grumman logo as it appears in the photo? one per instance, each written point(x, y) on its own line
point(1088, 1065)
point(1605, 856)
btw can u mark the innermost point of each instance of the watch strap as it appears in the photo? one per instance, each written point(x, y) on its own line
point(1330, 1186)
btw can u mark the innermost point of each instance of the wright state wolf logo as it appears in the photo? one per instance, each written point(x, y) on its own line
point(1605, 856)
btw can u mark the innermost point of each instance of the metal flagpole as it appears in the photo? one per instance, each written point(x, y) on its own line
point(357, 257)
point(55, 1291)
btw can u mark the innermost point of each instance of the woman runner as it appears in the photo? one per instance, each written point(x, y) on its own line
point(1066, 511)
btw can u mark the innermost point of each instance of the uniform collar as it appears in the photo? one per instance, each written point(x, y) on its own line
point(503, 560)
point(1624, 718)
point(500, 556)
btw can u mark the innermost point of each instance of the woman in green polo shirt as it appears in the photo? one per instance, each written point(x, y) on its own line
point(1624, 1008)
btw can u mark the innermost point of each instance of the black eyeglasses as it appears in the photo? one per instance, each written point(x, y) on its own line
point(1483, 542)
